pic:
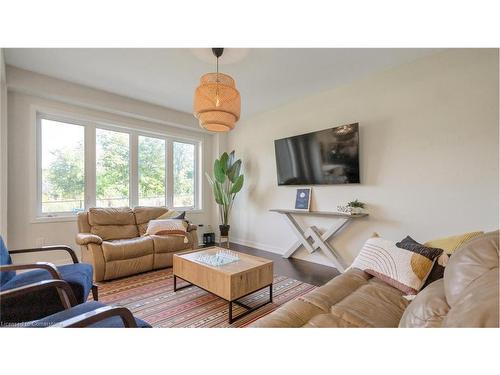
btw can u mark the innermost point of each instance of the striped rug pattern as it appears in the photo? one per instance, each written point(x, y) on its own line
point(151, 297)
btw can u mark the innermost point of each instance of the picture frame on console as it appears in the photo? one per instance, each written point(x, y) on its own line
point(303, 199)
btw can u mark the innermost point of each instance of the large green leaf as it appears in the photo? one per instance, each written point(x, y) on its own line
point(218, 194)
point(237, 185)
point(219, 173)
point(224, 159)
point(234, 172)
point(231, 160)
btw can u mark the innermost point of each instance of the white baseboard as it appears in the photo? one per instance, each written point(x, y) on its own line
point(258, 245)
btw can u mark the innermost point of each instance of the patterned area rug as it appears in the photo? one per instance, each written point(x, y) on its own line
point(151, 297)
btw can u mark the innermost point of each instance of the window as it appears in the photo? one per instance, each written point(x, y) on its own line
point(82, 165)
point(112, 168)
point(152, 191)
point(184, 192)
point(62, 167)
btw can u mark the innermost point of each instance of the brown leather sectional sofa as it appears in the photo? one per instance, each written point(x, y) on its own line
point(113, 241)
point(467, 296)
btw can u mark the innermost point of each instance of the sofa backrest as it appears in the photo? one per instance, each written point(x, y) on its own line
point(471, 283)
point(467, 295)
point(118, 223)
point(144, 214)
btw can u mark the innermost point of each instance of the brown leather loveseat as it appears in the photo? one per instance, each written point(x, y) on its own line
point(113, 241)
point(467, 296)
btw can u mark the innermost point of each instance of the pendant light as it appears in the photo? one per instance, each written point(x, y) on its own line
point(216, 100)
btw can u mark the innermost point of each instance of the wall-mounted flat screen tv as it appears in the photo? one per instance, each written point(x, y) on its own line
point(324, 157)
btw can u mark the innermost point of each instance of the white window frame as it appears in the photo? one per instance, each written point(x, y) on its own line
point(130, 160)
point(90, 127)
point(142, 134)
point(39, 118)
point(196, 173)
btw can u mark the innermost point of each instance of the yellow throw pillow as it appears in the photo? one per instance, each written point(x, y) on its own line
point(450, 244)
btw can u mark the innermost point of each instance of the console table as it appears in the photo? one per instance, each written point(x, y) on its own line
point(312, 239)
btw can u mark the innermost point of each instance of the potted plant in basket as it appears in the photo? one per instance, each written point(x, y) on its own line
point(226, 183)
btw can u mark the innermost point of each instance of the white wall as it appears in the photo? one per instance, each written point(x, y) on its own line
point(429, 154)
point(29, 92)
point(3, 148)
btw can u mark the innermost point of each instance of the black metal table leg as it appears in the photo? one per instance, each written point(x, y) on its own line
point(181, 287)
point(249, 309)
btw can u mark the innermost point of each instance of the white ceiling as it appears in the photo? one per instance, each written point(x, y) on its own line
point(266, 78)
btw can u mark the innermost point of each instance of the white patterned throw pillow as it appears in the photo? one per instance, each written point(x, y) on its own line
point(403, 269)
point(168, 227)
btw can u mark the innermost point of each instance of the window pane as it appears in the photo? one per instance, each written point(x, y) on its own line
point(62, 167)
point(151, 171)
point(112, 169)
point(183, 174)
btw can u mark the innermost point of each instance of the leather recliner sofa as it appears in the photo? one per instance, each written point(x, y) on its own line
point(467, 296)
point(112, 240)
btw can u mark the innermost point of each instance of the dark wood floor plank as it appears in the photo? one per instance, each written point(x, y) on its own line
point(307, 272)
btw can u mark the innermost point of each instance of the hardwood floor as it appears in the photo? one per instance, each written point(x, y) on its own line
point(307, 272)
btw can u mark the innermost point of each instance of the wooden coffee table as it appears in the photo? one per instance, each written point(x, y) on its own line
point(231, 281)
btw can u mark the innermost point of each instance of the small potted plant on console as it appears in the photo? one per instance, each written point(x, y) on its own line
point(356, 207)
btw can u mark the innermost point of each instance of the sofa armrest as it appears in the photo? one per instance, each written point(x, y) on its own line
point(86, 238)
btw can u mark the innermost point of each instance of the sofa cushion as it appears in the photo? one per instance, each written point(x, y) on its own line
point(127, 248)
point(111, 216)
point(336, 289)
point(39, 304)
point(327, 321)
point(295, 313)
point(113, 322)
point(115, 232)
point(169, 244)
point(78, 276)
point(428, 309)
point(373, 305)
point(127, 267)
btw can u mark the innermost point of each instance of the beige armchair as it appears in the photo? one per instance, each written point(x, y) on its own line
point(113, 240)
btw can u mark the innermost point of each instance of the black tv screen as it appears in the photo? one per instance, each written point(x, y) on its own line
point(325, 157)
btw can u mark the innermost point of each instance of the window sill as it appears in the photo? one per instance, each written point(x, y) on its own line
point(52, 219)
point(62, 219)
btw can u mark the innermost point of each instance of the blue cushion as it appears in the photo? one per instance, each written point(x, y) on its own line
point(113, 322)
point(5, 259)
point(78, 275)
point(34, 306)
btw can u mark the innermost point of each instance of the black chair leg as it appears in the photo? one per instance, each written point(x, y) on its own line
point(95, 292)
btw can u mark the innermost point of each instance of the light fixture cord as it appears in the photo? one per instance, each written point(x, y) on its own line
point(217, 83)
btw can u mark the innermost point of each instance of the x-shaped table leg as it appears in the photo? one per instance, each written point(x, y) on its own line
point(319, 241)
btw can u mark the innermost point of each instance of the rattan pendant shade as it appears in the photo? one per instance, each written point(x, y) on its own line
point(217, 102)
